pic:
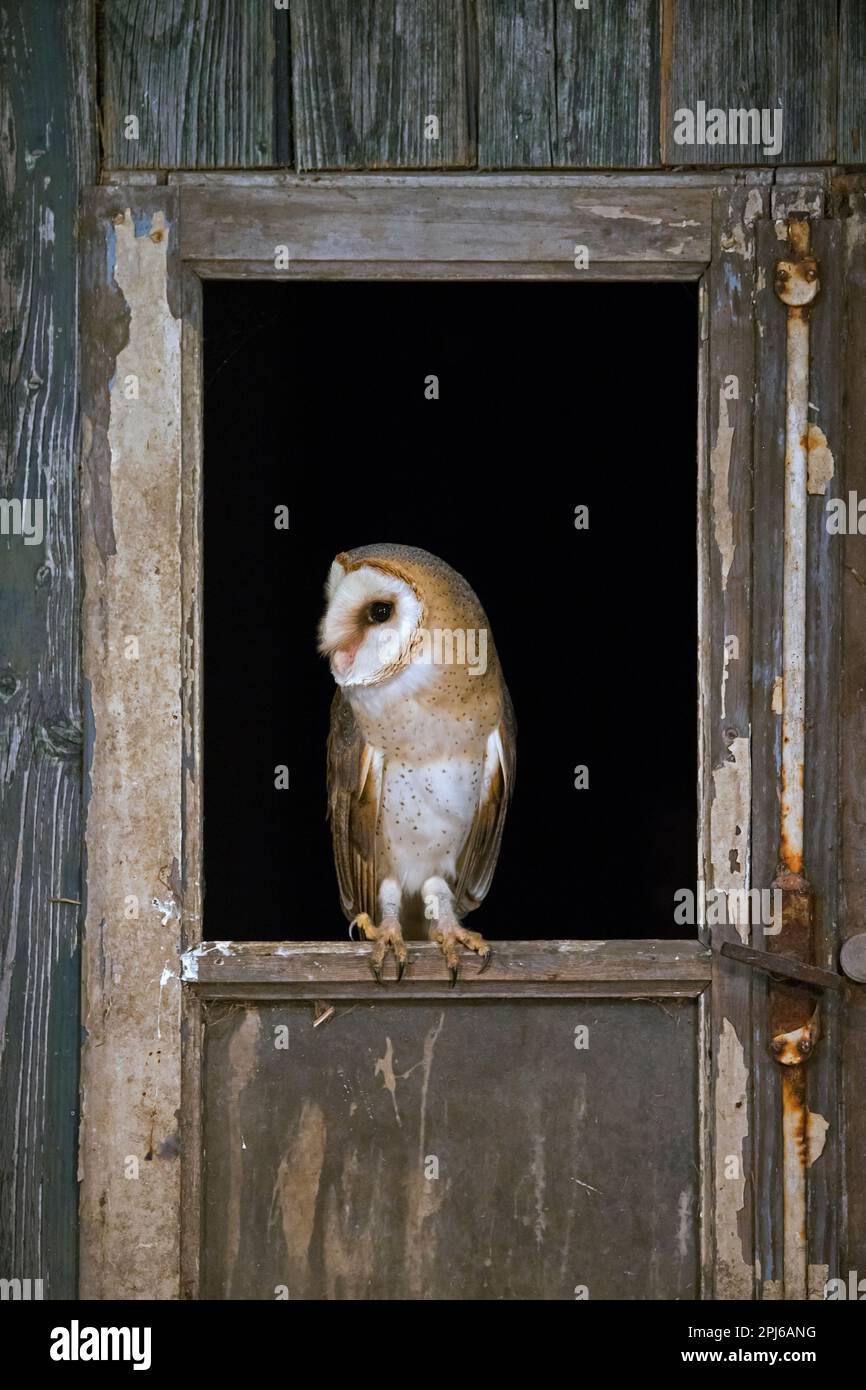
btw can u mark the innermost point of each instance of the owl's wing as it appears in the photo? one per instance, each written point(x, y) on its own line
point(479, 855)
point(354, 792)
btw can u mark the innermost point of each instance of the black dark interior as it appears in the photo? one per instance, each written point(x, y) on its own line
point(549, 398)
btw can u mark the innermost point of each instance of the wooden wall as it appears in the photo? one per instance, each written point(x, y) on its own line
point(47, 152)
point(348, 84)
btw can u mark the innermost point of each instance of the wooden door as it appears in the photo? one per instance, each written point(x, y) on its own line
point(382, 1165)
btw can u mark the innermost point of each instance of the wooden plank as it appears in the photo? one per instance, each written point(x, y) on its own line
point(366, 78)
point(136, 855)
point(446, 1151)
point(192, 572)
point(447, 221)
point(769, 470)
point(851, 117)
point(755, 56)
point(726, 702)
point(534, 960)
point(515, 966)
point(565, 87)
point(199, 76)
point(48, 153)
point(601, 271)
point(670, 179)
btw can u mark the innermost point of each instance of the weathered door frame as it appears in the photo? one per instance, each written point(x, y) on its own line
point(149, 248)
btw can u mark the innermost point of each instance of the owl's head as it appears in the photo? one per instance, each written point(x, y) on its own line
point(373, 614)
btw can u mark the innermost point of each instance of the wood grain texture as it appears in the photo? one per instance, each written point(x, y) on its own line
point(516, 968)
point(562, 87)
point(769, 475)
point(47, 151)
point(552, 1166)
point(726, 698)
point(366, 74)
point(754, 54)
point(201, 78)
point(447, 220)
point(851, 109)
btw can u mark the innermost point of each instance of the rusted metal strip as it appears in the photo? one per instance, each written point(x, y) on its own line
point(796, 286)
point(793, 1008)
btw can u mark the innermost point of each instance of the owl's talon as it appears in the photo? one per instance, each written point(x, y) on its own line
point(386, 937)
point(450, 936)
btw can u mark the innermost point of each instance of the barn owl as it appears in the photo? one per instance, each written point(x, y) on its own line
point(421, 750)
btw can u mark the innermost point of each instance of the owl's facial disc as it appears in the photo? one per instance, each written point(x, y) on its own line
point(369, 623)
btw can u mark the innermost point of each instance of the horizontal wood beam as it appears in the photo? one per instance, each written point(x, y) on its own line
point(312, 969)
point(445, 221)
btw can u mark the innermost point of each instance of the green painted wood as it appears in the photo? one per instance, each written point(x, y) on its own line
point(367, 73)
point(200, 77)
point(47, 152)
point(751, 54)
point(852, 83)
point(562, 87)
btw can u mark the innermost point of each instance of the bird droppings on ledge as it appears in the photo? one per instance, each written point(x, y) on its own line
point(190, 959)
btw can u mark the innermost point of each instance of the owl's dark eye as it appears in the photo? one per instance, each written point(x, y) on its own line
point(380, 612)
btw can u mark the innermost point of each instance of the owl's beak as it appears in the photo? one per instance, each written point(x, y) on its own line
point(343, 657)
point(343, 660)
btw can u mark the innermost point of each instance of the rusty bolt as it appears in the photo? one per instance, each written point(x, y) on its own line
point(804, 1046)
point(776, 1046)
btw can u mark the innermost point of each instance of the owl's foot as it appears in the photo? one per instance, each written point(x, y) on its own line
point(451, 936)
point(387, 936)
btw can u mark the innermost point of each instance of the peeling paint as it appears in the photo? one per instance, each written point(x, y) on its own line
point(754, 206)
point(816, 1136)
point(720, 465)
point(729, 647)
point(729, 818)
point(737, 238)
point(734, 241)
point(734, 1271)
point(618, 213)
point(821, 465)
point(777, 701)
